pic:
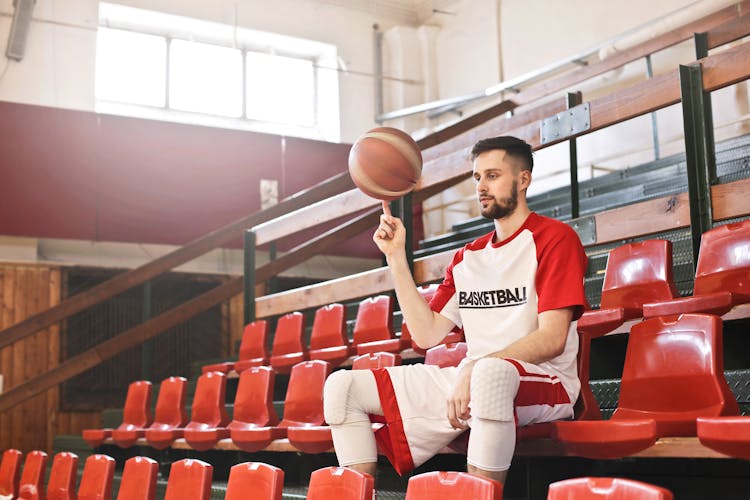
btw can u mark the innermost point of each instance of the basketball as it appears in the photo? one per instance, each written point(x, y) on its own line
point(385, 163)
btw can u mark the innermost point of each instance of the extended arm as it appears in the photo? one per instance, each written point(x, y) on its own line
point(427, 327)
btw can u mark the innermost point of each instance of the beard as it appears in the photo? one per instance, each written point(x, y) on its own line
point(503, 207)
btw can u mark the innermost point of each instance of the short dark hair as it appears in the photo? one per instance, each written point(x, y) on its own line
point(513, 147)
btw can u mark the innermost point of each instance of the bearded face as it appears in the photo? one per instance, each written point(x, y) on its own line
point(493, 207)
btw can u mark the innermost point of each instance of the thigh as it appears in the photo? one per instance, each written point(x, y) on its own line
point(541, 396)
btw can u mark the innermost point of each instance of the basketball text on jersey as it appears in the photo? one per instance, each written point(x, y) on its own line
point(488, 299)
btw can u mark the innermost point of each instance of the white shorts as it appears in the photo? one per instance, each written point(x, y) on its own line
point(414, 400)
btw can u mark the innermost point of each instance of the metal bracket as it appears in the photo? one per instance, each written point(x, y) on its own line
point(566, 124)
point(586, 229)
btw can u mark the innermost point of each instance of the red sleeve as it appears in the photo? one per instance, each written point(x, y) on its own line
point(447, 288)
point(562, 267)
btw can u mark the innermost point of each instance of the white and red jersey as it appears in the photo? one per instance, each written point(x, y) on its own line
point(496, 290)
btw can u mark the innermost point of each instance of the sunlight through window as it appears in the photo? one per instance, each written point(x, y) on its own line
point(130, 67)
point(205, 78)
point(280, 89)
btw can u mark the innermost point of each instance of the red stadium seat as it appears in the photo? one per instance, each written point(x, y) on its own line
point(636, 273)
point(10, 472)
point(31, 486)
point(253, 404)
point(454, 336)
point(96, 480)
point(189, 479)
point(138, 479)
point(728, 435)
point(722, 275)
point(375, 360)
point(340, 483)
point(288, 343)
point(253, 350)
point(171, 416)
point(373, 328)
point(136, 416)
point(674, 373)
point(605, 488)
point(209, 417)
point(303, 407)
point(453, 485)
point(255, 480)
point(62, 477)
point(328, 340)
point(444, 355)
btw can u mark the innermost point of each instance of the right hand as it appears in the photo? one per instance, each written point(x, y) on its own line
point(390, 236)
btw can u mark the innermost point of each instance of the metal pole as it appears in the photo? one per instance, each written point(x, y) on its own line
point(654, 124)
point(699, 152)
point(147, 348)
point(408, 218)
point(249, 262)
point(377, 41)
point(573, 100)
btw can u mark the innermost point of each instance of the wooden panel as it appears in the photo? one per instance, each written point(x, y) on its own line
point(731, 200)
point(662, 214)
point(348, 288)
point(24, 290)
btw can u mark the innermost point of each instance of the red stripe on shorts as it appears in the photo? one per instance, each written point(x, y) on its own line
point(391, 437)
point(538, 392)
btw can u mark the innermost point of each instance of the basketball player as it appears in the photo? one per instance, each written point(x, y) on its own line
point(517, 292)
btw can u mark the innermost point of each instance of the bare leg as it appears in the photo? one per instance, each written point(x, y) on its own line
point(368, 468)
point(496, 475)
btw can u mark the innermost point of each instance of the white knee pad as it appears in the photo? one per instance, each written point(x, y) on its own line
point(494, 384)
point(336, 396)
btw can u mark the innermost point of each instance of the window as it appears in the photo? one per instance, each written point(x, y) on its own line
point(161, 66)
point(130, 67)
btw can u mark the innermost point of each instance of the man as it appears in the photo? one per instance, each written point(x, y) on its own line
point(517, 292)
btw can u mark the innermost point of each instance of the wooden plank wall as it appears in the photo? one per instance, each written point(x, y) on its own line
point(24, 290)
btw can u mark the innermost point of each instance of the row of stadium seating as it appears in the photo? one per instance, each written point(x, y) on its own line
point(191, 479)
point(673, 385)
point(638, 284)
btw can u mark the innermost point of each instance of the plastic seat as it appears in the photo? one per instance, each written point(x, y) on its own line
point(170, 415)
point(138, 479)
point(674, 373)
point(253, 404)
point(10, 472)
point(375, 360)
point(209, 417)
point(373, 328)
point(189, 479)
point(288, 343)
point(136, 416)
point(722, 275)
point(727, 435)
point(31, 486)
point(453, 485)
point(636, 273)
point(255, 480)
point(62, 477)
point(340, 483)
point(444, 355)
point(96, 480)
point(606, 488)
point(253, 350)
point(303, 406)
point(454, 336)
point(328, 340)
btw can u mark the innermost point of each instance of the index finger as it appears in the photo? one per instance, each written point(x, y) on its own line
point(387, 209)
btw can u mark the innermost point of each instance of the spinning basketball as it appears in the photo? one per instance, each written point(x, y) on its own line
point(385, 163)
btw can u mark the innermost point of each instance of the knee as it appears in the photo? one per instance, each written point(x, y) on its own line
point(336, 396)
point(494, 384)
